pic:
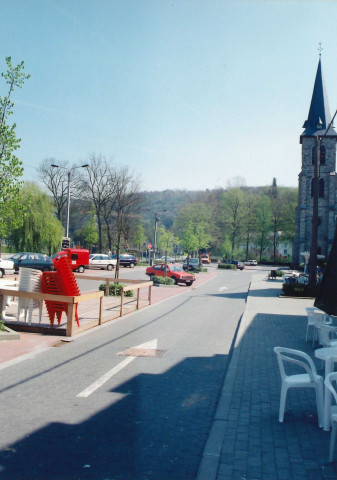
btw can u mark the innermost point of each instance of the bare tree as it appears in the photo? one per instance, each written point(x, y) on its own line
point(126, 202)
point(97, 185)
point(56, 181)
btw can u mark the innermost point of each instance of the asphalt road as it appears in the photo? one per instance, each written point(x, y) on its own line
point(90, 410)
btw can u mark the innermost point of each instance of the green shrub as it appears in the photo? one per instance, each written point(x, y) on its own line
point(227, 266)
point(300, 290)
point(279, 273)
point(199, 269)
point(163, 280)
point(115, 289)
point(2, 326)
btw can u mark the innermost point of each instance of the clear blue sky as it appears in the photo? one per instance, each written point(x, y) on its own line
point(187, 93)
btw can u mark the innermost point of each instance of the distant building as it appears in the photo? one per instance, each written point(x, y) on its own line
point(316, 125)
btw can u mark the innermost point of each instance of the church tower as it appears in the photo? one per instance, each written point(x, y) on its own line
point(316, 126)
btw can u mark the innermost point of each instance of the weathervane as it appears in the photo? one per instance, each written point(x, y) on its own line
point(320, 48)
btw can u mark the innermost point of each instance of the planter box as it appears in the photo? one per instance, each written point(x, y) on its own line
point(9, 334)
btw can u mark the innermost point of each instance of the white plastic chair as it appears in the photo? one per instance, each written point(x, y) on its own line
point(327, 335)
point(30, 281)
point(330, 383)
point(316, 317)
point(308, 379)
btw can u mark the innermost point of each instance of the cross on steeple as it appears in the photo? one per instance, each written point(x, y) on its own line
point(320, 48)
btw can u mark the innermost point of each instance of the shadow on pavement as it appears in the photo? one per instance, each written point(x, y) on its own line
point(156, 431)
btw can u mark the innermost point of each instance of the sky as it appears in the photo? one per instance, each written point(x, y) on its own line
point(189, 94)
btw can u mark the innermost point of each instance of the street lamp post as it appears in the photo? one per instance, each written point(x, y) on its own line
point(69, 171)
point(156, 220)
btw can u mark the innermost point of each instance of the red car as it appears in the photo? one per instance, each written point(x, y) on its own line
point(175, 272)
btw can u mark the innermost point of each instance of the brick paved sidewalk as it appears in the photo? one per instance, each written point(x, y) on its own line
point(246, 441)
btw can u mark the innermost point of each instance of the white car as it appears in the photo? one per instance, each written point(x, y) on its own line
point(102, 261)
point(6, 266)
point(168, 259)
point(251, 262)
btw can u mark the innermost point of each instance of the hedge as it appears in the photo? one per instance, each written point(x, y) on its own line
point(115, 289)
point(300, 290)
point(163, 280)
point(227, 266)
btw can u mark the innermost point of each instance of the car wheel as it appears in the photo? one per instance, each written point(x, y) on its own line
point(175, 281)
point(1, 273)
point(189, 284)
point(132, 265)
point(151, 278)
point(109, 267)
point(80, 269)
point(46, 269)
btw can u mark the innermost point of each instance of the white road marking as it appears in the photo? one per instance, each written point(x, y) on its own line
point(104, 378)
point(223, 288)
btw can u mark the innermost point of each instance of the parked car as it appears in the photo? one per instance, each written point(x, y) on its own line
point(251, 262)
point(193, 264)
point(102, 261)
point(125, 260)
point(176, 272)
point(39, 261)
point(239, 265)
point(168, 259)
point(6, 267)
point(78, 258)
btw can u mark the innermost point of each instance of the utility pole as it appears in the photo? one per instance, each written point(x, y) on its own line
point(314, 234)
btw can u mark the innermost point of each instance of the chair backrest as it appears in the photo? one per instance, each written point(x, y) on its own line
point(293, 356)
point(332, 377)
point(324, 333)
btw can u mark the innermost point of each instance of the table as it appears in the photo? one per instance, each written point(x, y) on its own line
point(329, 355)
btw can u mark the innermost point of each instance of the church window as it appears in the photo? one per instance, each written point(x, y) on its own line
point(322, 154)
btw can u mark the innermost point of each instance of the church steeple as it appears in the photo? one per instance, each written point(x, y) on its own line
point(319, 116)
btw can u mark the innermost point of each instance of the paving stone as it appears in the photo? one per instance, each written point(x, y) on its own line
point(256, 444)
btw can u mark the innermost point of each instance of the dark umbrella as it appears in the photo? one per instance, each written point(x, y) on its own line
point(326, 299)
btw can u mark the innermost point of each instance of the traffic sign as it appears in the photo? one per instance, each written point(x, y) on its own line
point(149, 246)
point(65, 242)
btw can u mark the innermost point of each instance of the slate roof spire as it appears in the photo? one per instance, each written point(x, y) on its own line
point(319, 116)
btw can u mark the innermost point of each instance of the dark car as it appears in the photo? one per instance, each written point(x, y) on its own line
point(39, 261)
point(193, 264)
point(126, 260)
point(239, 265)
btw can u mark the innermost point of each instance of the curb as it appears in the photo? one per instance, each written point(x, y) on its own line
point(210, 459)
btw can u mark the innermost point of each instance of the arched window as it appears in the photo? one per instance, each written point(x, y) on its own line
point(322, 154)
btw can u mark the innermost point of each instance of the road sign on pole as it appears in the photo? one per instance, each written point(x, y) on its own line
point(149, 246)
